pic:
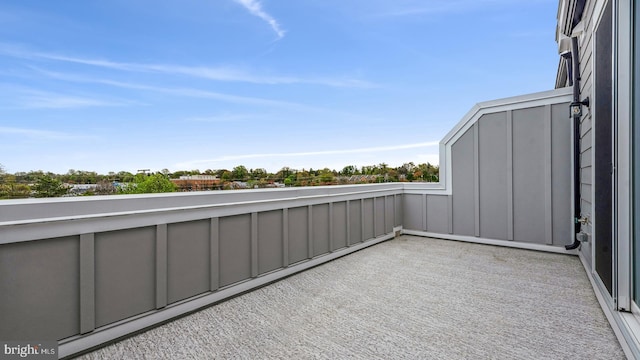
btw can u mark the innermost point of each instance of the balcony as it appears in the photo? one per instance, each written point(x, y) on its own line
point(411, 297)
point(88, 271)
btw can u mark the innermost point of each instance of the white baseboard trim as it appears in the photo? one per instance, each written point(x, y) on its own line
point(506, 243)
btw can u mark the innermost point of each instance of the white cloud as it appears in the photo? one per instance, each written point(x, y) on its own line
point(39, 134)
point(55, 101)
point(411, 8)
point(220, 73)
point(185, 92)
point(255, 8)
point(224, 118)
point(369, 150)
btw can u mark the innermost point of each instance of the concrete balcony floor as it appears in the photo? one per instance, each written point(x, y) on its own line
point(410, 297)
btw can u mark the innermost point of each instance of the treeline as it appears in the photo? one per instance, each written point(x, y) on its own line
point(78, 182)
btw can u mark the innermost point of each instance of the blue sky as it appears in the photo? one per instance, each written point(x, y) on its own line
point(211, 84)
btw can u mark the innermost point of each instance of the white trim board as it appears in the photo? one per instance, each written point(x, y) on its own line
point(495, 242)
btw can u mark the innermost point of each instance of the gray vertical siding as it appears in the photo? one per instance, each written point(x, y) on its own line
point(413, 212)
point(398, 210)
point(43, 302)
point(438, 214)
point(340, 228)
point(270, 244)
point(235, 249)
point(463, 173)
point(124, 265)
point(493, 136)
point(187, 249)
point(585, 45)
point(298, 234)
point(389, 213)
point(379, 212)
point(368, 216)
point(321, 234)
point(510, 179)
point(561, 188)
point(529, 175)
point(355, 222)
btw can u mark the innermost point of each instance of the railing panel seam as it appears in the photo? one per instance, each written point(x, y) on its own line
point(161, 266)
point(87, 283)
point(214, 253)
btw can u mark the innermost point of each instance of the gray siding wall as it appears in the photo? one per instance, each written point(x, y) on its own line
point(463, 157)
point(188, 250)
point(494, 190)
point(270, 244)
point(437, 214)
point(511, 180)
point(529, 175)
point(585, 47)
point(340, 225)
point(40, 287)
point(60, 287)
point(124, 264)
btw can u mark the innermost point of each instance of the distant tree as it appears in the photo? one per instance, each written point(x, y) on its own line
point(240, 173)
point(383, 168)
point(368, 170)
point(392, 175)
point(406, 169)
point(427, 172)
point(177, 174)
point(301, 178)
point(71, 176)
point(283, 174)
point(47, 186)
point(125, 176)
point(326, 176)
point(259, 173)
point(156, 183)
point(17, 191)
point(10, 189)
point(226, 176)
point(29, 177)
point(349, 170)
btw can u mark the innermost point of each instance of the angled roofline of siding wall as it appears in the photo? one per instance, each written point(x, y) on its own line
point(566, 9)
point(444, 187)
point(569, 14)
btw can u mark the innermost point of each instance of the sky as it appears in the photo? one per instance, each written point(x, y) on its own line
point(124, 85)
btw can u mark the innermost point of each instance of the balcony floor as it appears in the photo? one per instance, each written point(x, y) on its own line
point(410, 297)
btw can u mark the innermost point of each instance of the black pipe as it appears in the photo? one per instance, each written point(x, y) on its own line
point(576, 145)
point(569, 64)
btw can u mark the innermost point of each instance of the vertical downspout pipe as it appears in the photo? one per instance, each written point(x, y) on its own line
point(576, 145)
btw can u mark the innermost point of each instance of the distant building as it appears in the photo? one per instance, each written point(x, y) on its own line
point(198, 177)
point(79, 189)
point(197, 182)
